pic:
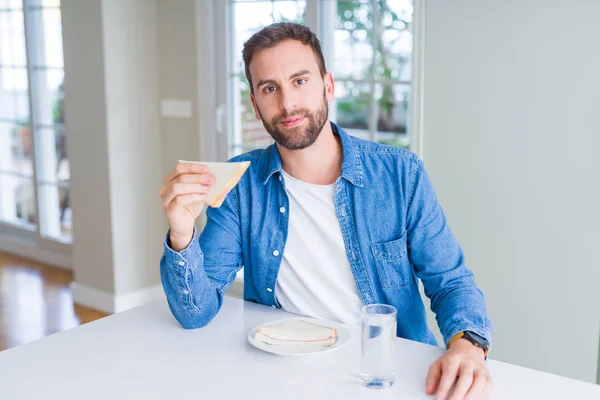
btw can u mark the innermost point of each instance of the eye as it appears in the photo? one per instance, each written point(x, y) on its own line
point(300, 81)
point(269, 89)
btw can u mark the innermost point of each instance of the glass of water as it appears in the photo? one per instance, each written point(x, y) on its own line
point(378, 323)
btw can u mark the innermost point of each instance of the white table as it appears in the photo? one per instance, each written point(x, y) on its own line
point(144, 354)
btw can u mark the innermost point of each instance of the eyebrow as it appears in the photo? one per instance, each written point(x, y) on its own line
point(292, 76)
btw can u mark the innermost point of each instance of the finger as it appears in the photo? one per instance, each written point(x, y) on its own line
point(449, 372)
point(433, 377)
point(488, 387)
point(480, 382)
point(464, 382)
point(187, 200)
point(179, 189)
point(186, 168)
point(205, 179)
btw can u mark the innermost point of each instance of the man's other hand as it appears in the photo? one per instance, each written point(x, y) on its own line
point(464, 364)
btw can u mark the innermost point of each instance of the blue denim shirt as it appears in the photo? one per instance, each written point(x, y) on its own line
point(394, 231)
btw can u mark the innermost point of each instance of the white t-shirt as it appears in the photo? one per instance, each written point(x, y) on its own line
point(315, 278)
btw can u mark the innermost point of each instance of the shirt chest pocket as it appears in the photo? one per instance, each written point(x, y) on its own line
point(391, 261)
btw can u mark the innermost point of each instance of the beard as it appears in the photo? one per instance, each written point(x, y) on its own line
point(299, 137)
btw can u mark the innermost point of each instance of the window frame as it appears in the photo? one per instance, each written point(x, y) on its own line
point(43, 234)
point(320, 18)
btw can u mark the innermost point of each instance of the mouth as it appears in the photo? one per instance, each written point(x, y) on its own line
point(292, 121)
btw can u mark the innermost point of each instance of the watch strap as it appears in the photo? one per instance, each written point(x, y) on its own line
point(460, 335)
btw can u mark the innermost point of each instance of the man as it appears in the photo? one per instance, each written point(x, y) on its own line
point(323, 223)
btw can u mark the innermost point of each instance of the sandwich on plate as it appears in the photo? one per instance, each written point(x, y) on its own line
point(297, 333)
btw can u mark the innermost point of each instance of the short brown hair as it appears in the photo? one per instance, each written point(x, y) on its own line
point(270, 36)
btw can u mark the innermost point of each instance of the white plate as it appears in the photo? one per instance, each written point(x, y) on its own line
point(343, 337)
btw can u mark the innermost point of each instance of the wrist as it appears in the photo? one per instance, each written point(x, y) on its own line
point(467, 340)
point(178, 242)
point(464, 345)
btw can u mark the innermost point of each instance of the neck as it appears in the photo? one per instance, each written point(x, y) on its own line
point(319, 164)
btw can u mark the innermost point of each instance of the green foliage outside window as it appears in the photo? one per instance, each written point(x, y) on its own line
point(354, 17)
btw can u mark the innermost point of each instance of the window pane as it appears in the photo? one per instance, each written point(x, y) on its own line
point(352, 107)
point(14, 106)
point(394, 40)
point(56, 221)
point(11, 4)
point(8, 146)
point(12, 39)
point(14, 97)
point(51, 3)
point(17, 201)
point(250, 17)
point(47, 45)
point(289, 11)
point(16, 149)
point(392, 113)
point(352, 50)
point(8, 102)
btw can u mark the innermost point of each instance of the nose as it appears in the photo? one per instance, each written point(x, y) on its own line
point(288, 100)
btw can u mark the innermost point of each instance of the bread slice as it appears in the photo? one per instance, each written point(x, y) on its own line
point(297, 332)
point(227, 175)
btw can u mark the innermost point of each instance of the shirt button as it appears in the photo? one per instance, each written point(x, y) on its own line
point(269, 289)
point(282, 210)
point(276, 253)
point(181, 263)
point(280, 178)
point(184, 291)
point(273, 306)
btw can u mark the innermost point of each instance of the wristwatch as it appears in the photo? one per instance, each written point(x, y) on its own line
point(474, 338)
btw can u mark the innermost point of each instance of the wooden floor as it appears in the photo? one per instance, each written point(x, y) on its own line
point(35, 301)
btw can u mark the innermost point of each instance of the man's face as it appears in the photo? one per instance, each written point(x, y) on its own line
point(290, 96)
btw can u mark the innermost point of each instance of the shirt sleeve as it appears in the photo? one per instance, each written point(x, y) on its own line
point(439, 262)
point(196, 278)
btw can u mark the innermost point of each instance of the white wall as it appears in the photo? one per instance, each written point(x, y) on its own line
point(178, 78)
point(87, 141)
point(134, 141)
point(511, 140)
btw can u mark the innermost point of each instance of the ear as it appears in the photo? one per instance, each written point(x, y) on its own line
point(256, 112)
point(329, 87)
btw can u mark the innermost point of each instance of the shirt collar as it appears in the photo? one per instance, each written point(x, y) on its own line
point(351, 163)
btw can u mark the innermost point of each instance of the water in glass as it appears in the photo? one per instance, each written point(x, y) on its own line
point(377, 346)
